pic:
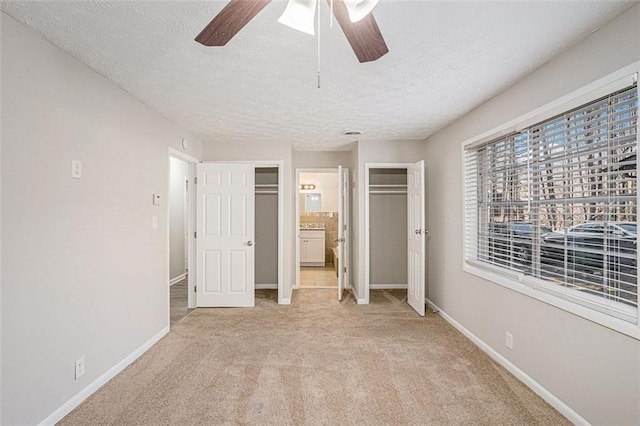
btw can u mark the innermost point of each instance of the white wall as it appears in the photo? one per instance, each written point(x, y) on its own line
point(83, 272)
point(321, 159)
point(355, 223)
point(179, 172)
point(256, 151)
point(326, 185)
point(592, 369)
point(1, 350)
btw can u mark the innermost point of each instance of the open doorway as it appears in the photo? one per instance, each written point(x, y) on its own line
point(394, 237)
point(321, 213)
point(180, 223)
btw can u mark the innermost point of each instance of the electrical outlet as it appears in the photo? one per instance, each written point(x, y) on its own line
point(79, 368)
point(509, 340)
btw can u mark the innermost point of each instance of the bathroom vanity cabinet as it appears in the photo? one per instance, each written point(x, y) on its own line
point(312, 247)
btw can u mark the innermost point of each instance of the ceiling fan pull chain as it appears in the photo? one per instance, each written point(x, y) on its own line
point(331, 15)
point(318, 14)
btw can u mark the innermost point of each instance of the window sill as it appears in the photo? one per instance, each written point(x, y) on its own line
point(513, 281)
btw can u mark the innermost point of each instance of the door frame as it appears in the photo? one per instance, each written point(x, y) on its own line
point(278, 164)
point(367, 236)
point(297, 213)
point(190, 223)
point(344, 228)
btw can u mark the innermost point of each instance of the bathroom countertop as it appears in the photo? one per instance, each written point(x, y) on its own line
point(319, 226)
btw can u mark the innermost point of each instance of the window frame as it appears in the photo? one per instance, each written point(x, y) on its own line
point(530, 286)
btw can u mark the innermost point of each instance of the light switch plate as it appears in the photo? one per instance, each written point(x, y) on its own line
point(79, 371)
point(509, 340)
point(156, 199)
point(76, 169)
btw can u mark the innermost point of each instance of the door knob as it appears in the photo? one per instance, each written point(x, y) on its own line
point(249, 243)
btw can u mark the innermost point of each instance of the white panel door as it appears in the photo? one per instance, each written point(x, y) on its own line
point(343, 220)
point(415, 228)
point(225, 235)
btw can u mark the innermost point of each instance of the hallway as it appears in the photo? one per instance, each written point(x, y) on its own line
point(178, 297)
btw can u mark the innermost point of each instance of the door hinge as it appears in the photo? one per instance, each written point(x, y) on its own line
point(344, 269)
point(195, 181)
point(195, 235)
point(345, 227)
point(195, 288)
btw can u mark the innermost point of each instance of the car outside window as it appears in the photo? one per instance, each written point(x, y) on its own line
point(537, 202)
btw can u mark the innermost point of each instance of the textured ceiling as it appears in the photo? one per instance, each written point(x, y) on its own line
point(445, 59)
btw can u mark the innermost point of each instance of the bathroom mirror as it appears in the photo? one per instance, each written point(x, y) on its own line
point(312, 202)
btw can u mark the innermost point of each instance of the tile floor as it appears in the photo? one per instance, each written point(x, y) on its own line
point(318, 276)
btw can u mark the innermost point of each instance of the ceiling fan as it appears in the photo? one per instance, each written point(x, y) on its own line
point(353, 16)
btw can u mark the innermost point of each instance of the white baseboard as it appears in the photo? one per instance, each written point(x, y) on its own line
point(179, 278)
point(387, 286)
point(359, 301)
point(550, 398)
point(285, 300)
point(77, 399)
point(266, 286)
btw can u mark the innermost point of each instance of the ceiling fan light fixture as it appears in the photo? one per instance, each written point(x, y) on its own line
point(300, 15)
point(358, 9)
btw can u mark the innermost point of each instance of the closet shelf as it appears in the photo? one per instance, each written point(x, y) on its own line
point(388, 189)
point(266, 185)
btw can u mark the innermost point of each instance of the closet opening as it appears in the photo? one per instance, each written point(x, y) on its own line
point(240, 233)
point(394, 232)
point(267, 228)
point(387, 228)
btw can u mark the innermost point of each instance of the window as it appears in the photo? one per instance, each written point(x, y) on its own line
point(538, 201)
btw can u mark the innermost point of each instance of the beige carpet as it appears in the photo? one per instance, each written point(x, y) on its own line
point(317, 361)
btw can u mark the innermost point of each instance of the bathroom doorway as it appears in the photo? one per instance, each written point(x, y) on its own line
point(321, 216)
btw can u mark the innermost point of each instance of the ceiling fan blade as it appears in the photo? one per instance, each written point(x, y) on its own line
point(364, 36)
point(231, 19)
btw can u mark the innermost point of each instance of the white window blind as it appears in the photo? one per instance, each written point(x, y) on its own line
point(555, 205)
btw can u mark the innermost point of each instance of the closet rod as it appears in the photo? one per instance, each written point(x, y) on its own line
point(266, 192)
point(389, 192)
